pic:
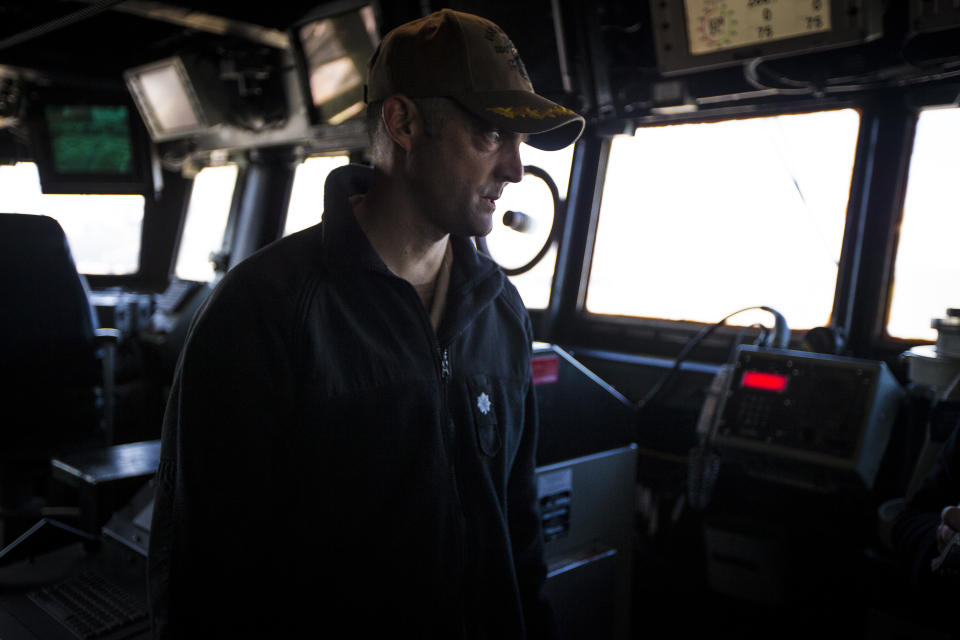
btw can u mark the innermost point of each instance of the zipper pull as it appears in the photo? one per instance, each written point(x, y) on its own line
point(444, 365)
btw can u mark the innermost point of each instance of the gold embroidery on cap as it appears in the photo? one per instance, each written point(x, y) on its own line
point(531, 112)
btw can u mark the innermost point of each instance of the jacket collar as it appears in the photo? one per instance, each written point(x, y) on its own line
point(475, 280)
point(345, 246)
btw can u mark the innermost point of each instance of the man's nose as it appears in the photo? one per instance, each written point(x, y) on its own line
point(511, 166)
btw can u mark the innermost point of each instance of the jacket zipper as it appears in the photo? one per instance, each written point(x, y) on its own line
point(444, 372)
point(444, 365)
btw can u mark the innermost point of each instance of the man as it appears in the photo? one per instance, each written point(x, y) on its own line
point(348, 449)
point(931, 518)
point(923, 533)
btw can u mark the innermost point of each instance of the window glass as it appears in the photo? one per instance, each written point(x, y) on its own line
point(207, 215)
point(699, 220)
point(556, 163)
point(926, 269)
point(512, 248)
point(103, 230)
point(306, 196)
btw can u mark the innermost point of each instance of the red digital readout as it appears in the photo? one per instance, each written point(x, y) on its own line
point(764, 381)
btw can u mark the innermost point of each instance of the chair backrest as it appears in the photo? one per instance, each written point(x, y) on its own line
point(49, 361)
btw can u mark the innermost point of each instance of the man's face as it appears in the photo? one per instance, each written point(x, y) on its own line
point(460, 170)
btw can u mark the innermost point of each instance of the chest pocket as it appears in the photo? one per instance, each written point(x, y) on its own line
point(482, 403)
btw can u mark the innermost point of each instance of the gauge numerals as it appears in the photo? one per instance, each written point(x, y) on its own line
point(715, 25)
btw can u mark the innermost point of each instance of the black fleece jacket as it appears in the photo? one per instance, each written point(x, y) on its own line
point(333, 467)
point(914, 532)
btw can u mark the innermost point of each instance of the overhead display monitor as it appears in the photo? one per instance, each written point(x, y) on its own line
point(333, 46)
point(694, 35)
point(95, 146)
point(177, 97)
point(90, 138)
point(175, 111)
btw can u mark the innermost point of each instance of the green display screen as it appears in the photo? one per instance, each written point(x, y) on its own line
point(90, 139)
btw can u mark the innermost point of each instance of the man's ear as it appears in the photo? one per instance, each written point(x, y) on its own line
point(401, 119)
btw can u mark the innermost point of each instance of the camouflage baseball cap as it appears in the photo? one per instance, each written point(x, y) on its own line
point(471, 60)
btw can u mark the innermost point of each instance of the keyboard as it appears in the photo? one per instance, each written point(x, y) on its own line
point(91, 607)
point(176, 294)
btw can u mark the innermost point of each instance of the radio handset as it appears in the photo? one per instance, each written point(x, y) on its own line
point(703, 460)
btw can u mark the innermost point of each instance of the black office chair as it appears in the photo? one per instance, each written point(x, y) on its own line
point(52, 364)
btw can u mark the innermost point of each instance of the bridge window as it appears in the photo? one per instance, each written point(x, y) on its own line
point(511, 248)
point(699, 220)
point(103, 230)
point(926, 269)
point(206, 222)
point(306, 197)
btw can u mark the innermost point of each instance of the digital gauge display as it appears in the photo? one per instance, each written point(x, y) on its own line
point(764, 381)
point(717, 25)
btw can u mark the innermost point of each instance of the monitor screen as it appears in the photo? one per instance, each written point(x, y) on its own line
point(333, 47)
point(90, 139)
point(89, 147)
point(171, 106)
point(168, 95)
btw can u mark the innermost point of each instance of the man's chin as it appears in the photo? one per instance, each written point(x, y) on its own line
point(482, 226)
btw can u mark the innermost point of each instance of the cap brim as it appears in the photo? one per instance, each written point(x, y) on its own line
point(550, 126)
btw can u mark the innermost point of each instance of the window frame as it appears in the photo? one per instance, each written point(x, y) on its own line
point(881, 337)
point(896, 114)
point(55, 211)
point(229, 225)
point(567, 320)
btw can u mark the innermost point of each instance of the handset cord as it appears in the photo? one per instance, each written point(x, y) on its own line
point(780, 339)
